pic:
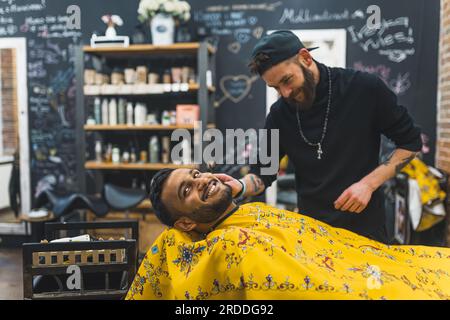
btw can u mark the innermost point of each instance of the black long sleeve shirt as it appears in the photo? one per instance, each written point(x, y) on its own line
point(362, 109)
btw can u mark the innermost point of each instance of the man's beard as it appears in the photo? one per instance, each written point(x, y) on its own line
point(211, 212)
point(309, 91)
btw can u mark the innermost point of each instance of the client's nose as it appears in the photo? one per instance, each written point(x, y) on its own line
point(203, 181)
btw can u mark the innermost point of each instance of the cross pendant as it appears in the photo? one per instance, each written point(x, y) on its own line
point(319, 152)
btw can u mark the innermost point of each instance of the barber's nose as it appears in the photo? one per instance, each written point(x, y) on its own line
point(285, 92)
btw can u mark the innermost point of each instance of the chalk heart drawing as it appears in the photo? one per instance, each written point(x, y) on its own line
point(257, 32)
point(234, 47)
point(235, 87)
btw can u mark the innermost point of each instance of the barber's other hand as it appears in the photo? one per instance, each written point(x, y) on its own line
point(355, 198)
point(234, 184)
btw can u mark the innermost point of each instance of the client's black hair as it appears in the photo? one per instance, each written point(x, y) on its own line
point(156, 186)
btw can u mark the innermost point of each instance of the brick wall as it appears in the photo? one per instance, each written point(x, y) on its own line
point(443, 114)
point(9, 133)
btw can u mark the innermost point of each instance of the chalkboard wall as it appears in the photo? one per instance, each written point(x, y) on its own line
point(404, 53)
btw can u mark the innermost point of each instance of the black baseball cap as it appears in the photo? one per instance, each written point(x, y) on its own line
point(279, 46)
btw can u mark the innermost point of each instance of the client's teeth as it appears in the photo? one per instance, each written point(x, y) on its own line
point(211, 190)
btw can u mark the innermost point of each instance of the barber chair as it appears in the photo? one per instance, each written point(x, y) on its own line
point(435, 235)
point(63, 207)
point(122, 199)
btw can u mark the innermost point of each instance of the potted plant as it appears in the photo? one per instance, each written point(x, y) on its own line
point(162, 15)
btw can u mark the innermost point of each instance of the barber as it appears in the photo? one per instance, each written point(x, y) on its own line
point(330, 123)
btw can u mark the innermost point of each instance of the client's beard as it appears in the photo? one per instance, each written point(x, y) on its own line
point(309, 91)
point(209, 213)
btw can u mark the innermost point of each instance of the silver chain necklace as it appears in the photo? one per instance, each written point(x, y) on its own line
point(324, 131)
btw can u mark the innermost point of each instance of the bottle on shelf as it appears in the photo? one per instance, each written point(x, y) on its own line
point(112, 112)
point(105, 114)
point(154, 149)
point(121, 111)
point(173, 118)
point(98, 151)
point(132, 155)
point(143, 156)
point(140, 114)
point(116, 155)
point(165, 149)
point(108, 154)
point(97, 111)
point(90, 120)
point(126, 157)
point(165, 118)
point(129, 113)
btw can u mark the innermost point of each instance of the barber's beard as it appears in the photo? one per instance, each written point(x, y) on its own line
point(309, 91)
point(211, 212)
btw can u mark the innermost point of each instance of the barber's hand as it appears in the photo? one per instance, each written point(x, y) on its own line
point(355, 198)
point(235, 185)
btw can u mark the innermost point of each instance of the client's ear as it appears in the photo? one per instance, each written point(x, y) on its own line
point(185, 224)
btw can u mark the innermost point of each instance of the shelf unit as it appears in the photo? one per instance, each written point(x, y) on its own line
point(93, 165)
point(138, 90)
point(202, 53)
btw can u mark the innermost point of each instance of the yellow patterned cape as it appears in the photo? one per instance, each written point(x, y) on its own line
point(261, 252)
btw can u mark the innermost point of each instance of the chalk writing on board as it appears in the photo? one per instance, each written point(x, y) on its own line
point(258, 32)
point(235, 87)
point(291, 15)
point(8, 30)
point(8, 7)
point(234, 23)
point(242, 35)
point(36, 69)
point(397, 55)
point(245, 7)
point(234, 47)
point(399, 84)
point(6, 20)
point(391, 33)
point(50, 27)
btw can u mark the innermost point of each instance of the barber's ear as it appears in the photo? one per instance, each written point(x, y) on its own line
point(305, 56)
point(185, 224)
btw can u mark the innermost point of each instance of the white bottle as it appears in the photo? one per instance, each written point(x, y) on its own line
point(154, 149)
point(115, 155)
point(98, 111)
point(121, 111)
point(113, 112)
point(98, 151)
point(140, 114)
point(130, 114)
point(137, 114)
point(105, 117)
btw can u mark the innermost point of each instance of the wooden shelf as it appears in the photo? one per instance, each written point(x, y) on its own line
point(149, 127)
point(134, 166)
point(124, 127)
point(148, 49)
point(144, 89)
